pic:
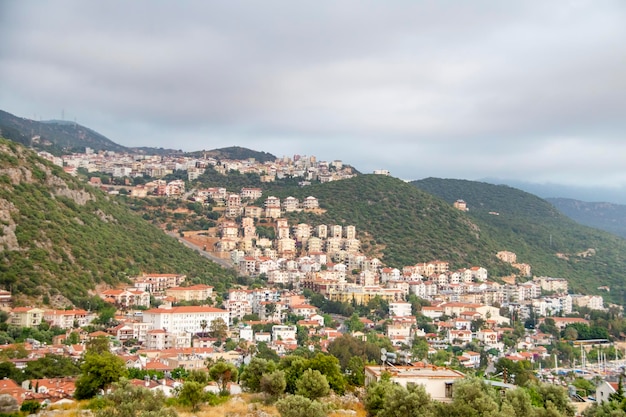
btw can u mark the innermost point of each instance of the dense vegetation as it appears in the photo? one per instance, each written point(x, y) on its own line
point(539, 234)
point(236, 153)
point(71, 237)
point(399, 223)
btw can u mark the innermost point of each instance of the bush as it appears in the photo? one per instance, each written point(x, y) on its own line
point(30, 406)
point(299, 406)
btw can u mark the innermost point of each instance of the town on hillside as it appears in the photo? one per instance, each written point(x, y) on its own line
point(310, 288)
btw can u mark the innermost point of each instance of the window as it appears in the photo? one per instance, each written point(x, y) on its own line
point(448, 389)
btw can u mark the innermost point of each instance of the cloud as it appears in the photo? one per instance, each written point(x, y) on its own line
point(454, 89)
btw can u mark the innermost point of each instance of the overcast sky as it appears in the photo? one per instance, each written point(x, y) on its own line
point(527, 90)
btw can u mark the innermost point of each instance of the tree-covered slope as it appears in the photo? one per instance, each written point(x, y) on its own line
point(236, 152)
point(552, 243)
point(605, 216)
point(59, 236)
point(399, 222)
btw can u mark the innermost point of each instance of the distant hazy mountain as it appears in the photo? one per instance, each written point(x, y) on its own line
point(54, 135)
point(605, 216)
point(62, 136)
point(613, 195)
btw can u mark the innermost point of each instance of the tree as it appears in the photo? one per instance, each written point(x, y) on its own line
point(218, 329)
point(98, 371)
point(472, 397)
point(376, 394)
point(8, 370)
point(312, 385)
point(127, 400)
point(274, 384)
point(356, 371)
point(30, 407)
point(517, 403)
point(412, 401)
point(570, 333)
point(270, 309)
point(223, 373)
point(51, 366)
point(98, 345)
point(299, 406)
point(354, 323)
point(329, 367)
point(553, 396)
point(252, 374)
point(294, 367)
point(420, 348)
point(198, 375)
point(191, 394)
point(203, 326)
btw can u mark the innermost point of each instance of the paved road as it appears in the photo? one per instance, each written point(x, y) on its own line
point(226, 263)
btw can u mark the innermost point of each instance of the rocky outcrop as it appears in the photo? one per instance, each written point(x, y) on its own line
point(8, 240)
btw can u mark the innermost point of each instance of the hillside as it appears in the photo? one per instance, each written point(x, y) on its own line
point(236, 152)
point(604, 216)
point(59, 236)
point(54, 136)
point(552, 243)
point(399, 223)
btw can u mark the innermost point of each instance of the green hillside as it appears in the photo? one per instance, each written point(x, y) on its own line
point(552, 243)
point(59, 236)
point(400, 223)
point(236, 152)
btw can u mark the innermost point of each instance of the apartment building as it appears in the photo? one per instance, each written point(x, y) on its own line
point(189, 319)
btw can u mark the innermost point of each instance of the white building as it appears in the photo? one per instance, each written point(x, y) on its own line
point(190, 319)
point(282, 332)
point(400, 309)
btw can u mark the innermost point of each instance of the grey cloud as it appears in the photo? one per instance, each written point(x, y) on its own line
point(454, 89)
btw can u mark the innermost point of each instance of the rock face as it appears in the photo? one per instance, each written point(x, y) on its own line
point(8, 240)
point(8, 404)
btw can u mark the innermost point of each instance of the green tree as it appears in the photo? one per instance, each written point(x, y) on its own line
point(127, 400)
point(294, 367)
point(605, 409)
point(412, 401)
point(329, 367)
point(473, 398)
point(420, 348)
point(551, 396)
point(251, 376)
point(356, 371)
point(9, 371)
point(376, 394)
point(191, 394)
point(354, 323)
point(30, 407)
point(99, 345)
point(274, 384)
point(312, 385)
point(198, 375)
point(218, 329)
point(299, 406)
point(517, 403)
point(51, 366)
point(98, 371)
point(223, 373)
